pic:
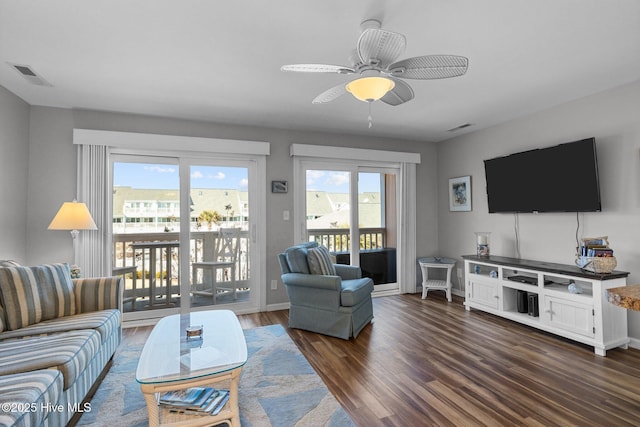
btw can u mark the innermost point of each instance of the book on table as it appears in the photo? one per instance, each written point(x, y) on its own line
point(195, 400)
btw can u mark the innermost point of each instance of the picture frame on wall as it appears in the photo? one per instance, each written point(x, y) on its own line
point(279, 186)
point(460, 194)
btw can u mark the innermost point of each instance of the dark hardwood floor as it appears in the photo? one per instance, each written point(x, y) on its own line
point(429, 362)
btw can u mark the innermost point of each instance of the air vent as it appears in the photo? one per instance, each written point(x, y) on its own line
point(30, 75)
point(457, 128)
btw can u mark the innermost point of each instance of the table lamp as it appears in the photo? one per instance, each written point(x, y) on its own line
point(73, 216)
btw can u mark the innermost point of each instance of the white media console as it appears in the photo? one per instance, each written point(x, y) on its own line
point(541, 298)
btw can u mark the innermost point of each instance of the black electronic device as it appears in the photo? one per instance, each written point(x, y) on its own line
point(521, 301)
point(524, 279)
point(562, 178)
point(533, 305)
point(528, 280)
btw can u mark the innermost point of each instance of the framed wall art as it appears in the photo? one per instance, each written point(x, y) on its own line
point(279, 186)
point(460, 194)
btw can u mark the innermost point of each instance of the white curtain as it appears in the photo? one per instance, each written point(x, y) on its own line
point(407, 238)
point(94, 177)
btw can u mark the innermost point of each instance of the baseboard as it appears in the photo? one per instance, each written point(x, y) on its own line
point(634, 343)
point(141, 322)
point(276, 307)
point(386, 293)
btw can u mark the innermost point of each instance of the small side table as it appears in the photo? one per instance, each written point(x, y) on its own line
point(437, 284)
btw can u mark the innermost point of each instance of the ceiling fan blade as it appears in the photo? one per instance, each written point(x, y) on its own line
point(400, 94)
point(330, 94)
point(317, 68)
point(380, 46)
point(429, 67)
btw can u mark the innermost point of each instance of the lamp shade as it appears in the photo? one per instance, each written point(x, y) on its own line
point(370, 88)
point(73, 216)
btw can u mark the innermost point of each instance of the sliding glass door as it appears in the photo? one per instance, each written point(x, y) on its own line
point(146, 230)
point(378, 226)
point(352, 203)
point(182, 233)
point(219, 235)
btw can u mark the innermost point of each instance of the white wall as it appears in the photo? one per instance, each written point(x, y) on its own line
point(613, 118)
point(37, 173)
point(14, 153)
point(52, 171)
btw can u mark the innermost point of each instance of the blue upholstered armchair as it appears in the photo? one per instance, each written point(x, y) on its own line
point(327, 298)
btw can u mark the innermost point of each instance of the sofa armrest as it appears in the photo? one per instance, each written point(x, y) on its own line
point(98, 293)
point(332, 283)
point(348, 272)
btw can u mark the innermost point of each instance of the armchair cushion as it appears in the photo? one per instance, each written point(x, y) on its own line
point(347, 272)
point(320, 261)
point(355, 291)
point(296, 257)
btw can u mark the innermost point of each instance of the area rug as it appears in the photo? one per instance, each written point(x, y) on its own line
point(278, 388)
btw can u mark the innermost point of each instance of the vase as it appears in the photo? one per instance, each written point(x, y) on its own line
point(482, 243)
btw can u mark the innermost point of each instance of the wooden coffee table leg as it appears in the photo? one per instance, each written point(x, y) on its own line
point(149, 393)
point(233, 398)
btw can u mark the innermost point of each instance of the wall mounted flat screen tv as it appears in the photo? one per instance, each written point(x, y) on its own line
point(562, 178)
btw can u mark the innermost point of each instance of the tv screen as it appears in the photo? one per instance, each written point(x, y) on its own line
point(562, 178)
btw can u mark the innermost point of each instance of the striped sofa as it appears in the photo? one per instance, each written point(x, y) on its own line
point(57, 336)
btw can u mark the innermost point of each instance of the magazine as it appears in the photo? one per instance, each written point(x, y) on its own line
point(195, 400)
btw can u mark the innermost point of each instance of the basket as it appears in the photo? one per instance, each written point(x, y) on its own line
point(596, 264)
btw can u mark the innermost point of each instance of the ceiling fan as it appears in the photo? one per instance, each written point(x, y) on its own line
point(379, 76)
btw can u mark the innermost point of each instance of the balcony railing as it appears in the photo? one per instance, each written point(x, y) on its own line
point(339, 239)
point(201, 248)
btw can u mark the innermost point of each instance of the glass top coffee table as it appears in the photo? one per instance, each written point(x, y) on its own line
point(171, 361)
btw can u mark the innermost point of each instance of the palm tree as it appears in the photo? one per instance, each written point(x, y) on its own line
point(229, 214)
point(210, 217)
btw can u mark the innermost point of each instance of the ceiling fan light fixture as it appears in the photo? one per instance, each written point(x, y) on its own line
point(370, 89)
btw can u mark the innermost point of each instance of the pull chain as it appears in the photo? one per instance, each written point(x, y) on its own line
point(370, 118)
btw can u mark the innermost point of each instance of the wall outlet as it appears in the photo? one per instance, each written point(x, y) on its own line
point(274, 285)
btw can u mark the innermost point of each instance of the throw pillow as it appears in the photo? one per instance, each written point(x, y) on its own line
point(320, 261)
point(20, 296)
point(9, 263)
point(297, 260)
point(61, 302)
point(33, 294)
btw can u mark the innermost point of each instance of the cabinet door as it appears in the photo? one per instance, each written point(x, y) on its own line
point(569, 315)
point(485, 293)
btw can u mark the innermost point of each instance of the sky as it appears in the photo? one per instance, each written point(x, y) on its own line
point(166, 176)
point(338, 182)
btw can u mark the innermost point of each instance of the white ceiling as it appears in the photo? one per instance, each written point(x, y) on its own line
point(220, 61)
